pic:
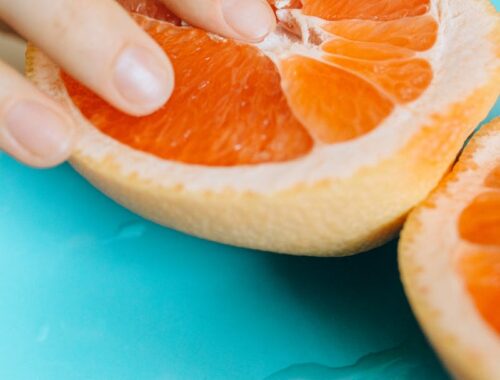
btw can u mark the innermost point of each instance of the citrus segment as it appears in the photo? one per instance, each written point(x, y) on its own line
point(365, 9)
point(231, 112)
point(365, 50)
point(479, 223)
point(481, 271)
point(151, 8)
point(405, 80)
point(246, 114)
point(418, 33)
point(333, 104)
point(493, 179)
point(285, 4)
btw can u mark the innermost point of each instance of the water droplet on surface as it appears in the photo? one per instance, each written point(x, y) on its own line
point(43, 333)
point(128, 231)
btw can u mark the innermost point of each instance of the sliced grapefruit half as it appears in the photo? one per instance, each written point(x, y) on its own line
point(316, 141)
point(450, 261)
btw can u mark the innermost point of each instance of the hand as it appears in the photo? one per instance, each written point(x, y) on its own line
point(100, 45)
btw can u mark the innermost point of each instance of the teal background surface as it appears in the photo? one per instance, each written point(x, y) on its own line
point(89, 290)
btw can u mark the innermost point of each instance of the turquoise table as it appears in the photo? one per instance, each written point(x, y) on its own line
point(89, 290)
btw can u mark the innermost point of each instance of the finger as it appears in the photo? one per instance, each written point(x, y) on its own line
point(249, 20)
point(33, 128)
point(100, 45)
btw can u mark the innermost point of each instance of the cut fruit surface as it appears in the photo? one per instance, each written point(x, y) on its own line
point(480, 221)
point(481, 273)
point(153, 9)
point(231, 112)
point(417, 34)
point(450, 261)
point(337, 105)
point(313, 141)
point(365, 9)
point(335, 98)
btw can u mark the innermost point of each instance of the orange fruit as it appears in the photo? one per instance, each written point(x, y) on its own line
point(450, 261)
point(317, 140)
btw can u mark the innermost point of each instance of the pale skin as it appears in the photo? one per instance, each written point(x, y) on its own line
point(98, 43)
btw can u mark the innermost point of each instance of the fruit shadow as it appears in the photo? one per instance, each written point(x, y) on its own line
point(359, 306)
point(352, 299)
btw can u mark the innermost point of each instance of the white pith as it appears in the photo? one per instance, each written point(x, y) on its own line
point(436, 249)
point(462, 60)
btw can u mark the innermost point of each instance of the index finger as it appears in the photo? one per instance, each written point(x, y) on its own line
point(100, 45)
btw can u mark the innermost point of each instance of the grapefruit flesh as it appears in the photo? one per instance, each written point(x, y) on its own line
point(251, 109)
point(231, 112)
point(383, 10)
point(479, 224)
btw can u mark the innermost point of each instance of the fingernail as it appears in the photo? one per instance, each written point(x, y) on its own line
point(142, 78)
point(250, 19)
point(39, 130)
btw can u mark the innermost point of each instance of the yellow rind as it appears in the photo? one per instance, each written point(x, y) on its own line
point(336, 217)
point(462, 361)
